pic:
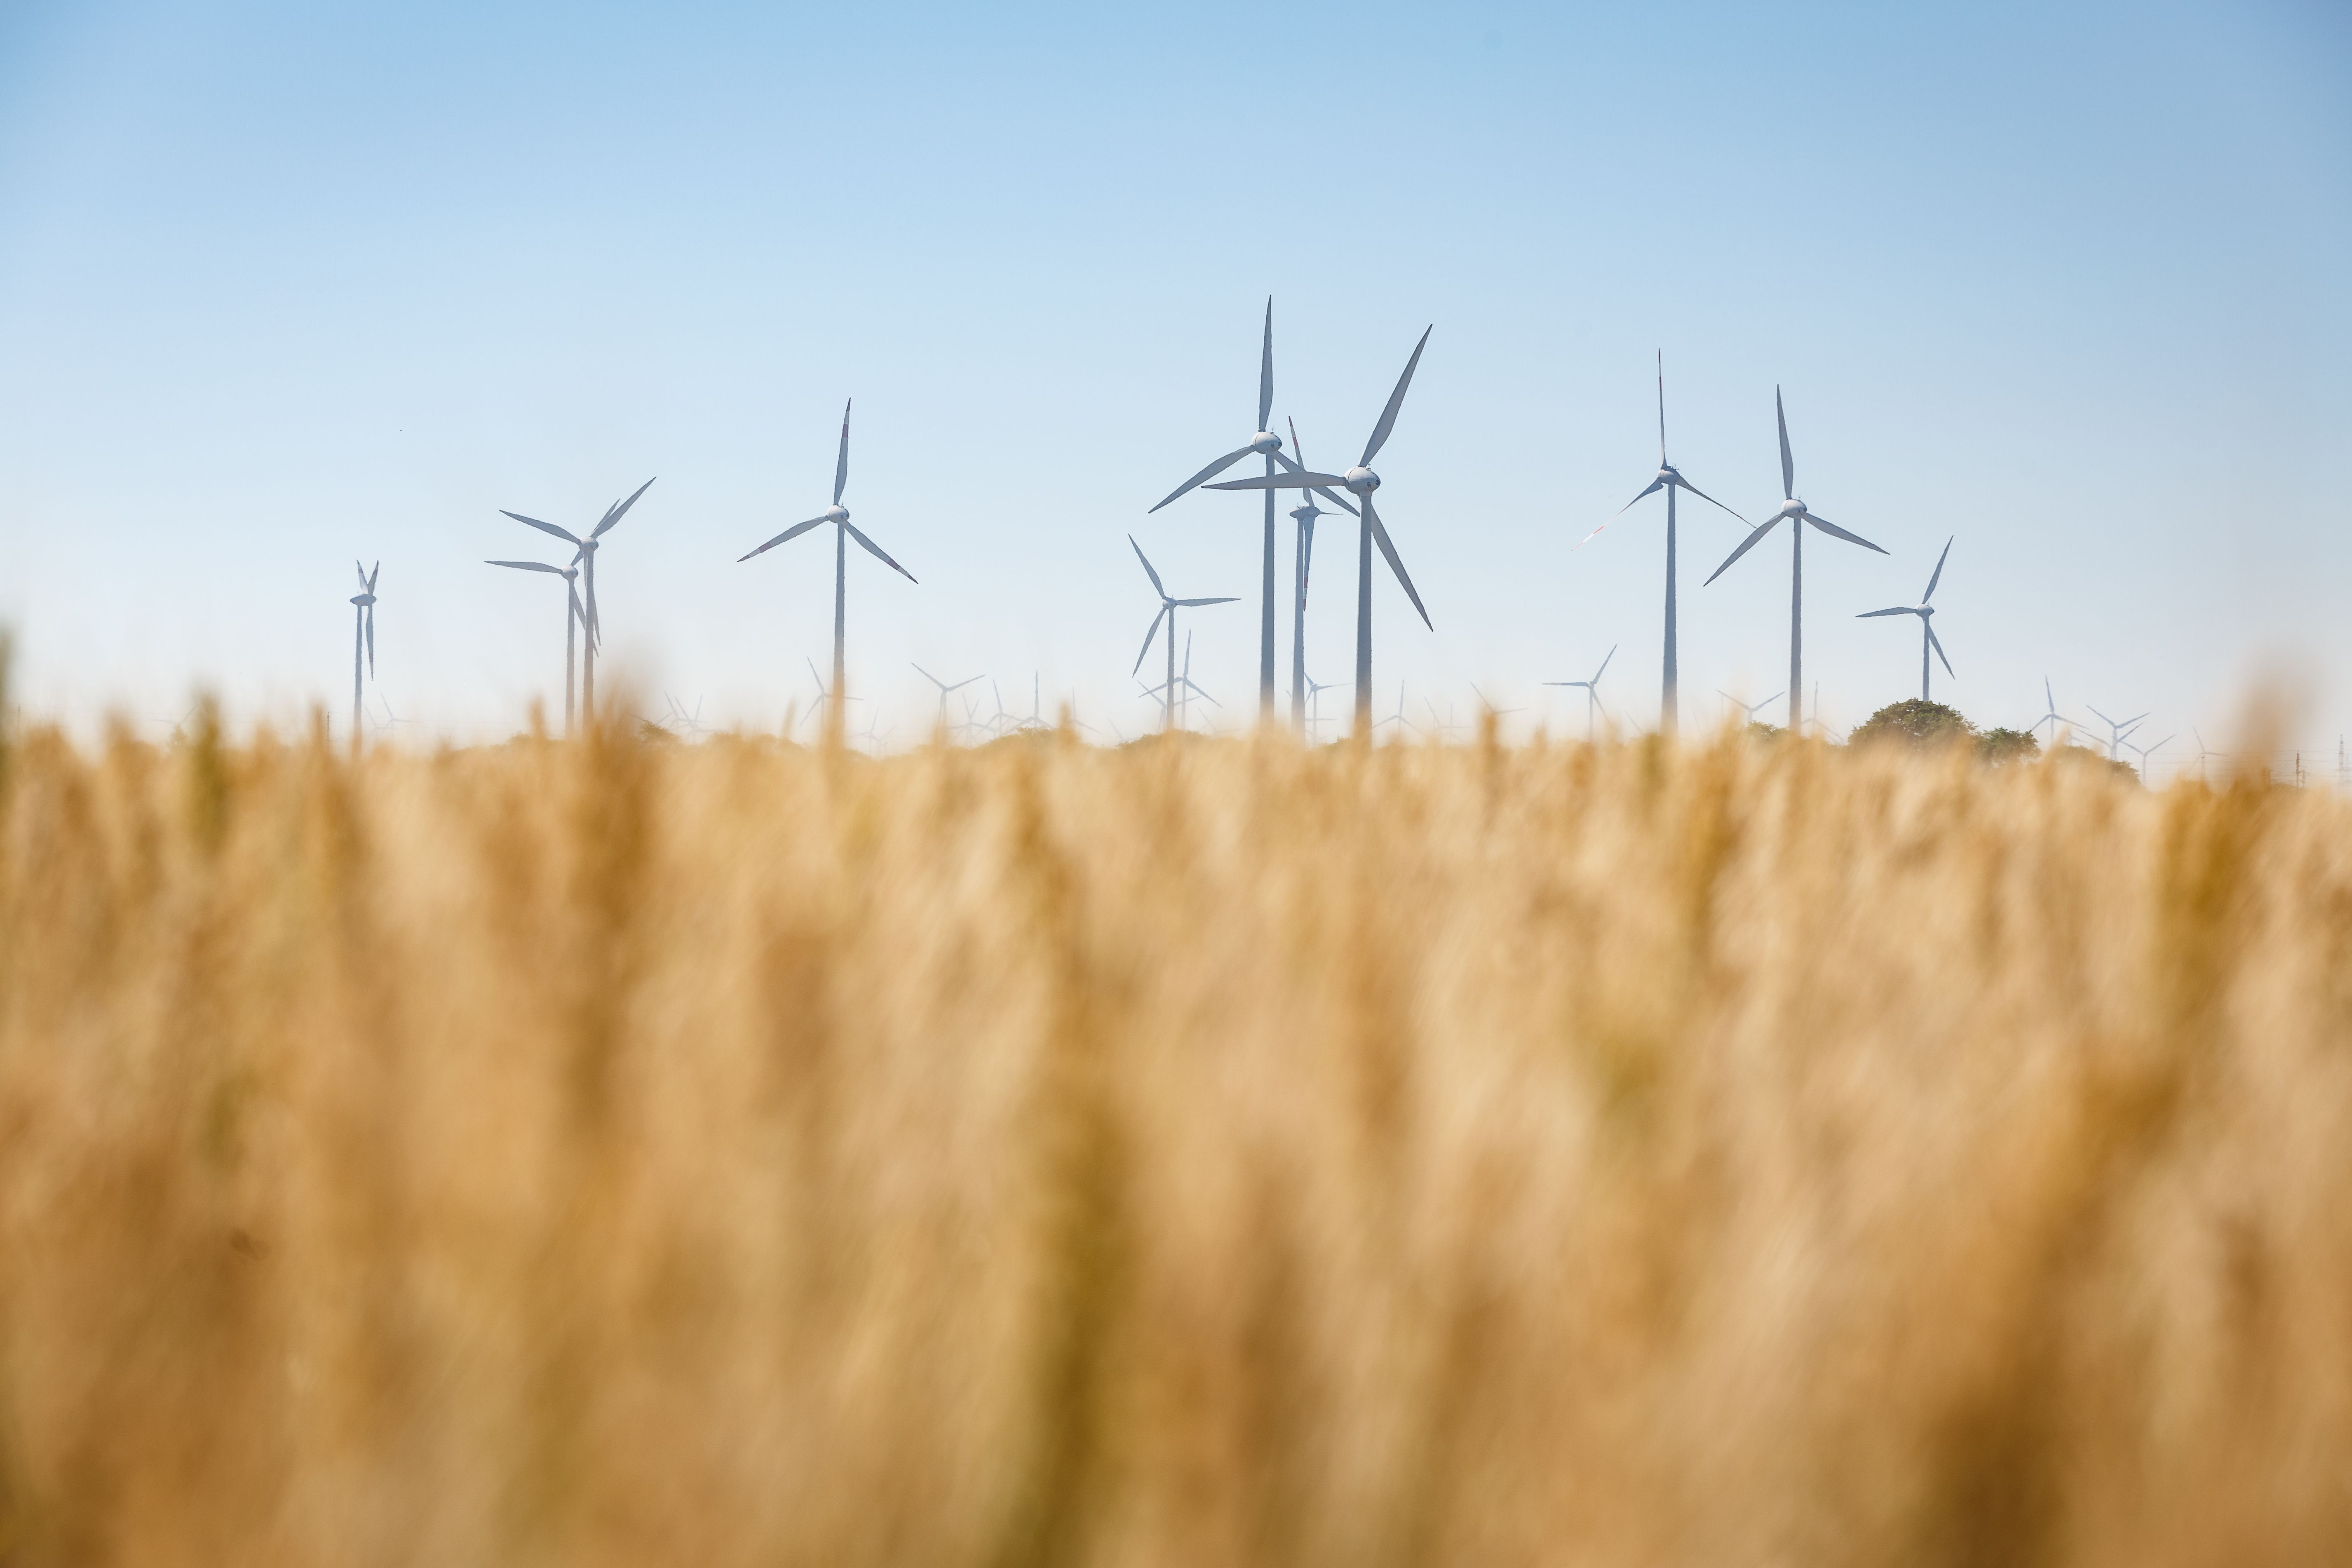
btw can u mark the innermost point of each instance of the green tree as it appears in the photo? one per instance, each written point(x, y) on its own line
point(1917, 722)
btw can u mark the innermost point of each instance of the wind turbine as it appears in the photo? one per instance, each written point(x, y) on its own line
point(682, 721)
point(1267, 443)
point(2050, 714)
point(1749, 710)
point(2147, 752)
point(1592, 692)
point(1669, 479)
point(1925, 611)
point(843, 530)
point(1794, 512)
point(946, 686)
point(1167, 609)
point(574, 617)
point(2116, 731)
point(1398, 718)
point(2202, 755)
point(584, 557)
point(1315, 690)
point(1304, 514)
point(362, 627)
point(1446, 727)
point(1361, 481)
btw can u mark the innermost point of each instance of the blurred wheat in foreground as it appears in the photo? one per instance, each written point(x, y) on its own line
point(1203, 1153)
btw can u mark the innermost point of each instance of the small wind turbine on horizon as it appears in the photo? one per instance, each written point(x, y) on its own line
point(363, 627)
point(1168, 606)
point(945, 688)
point(2147, 752)
point(2115, 731)
point(1398, 718)
point(1925, 612)
point(584, 557)
point(574, 617)
point(1748, 710)
point(2050, 714)
point(843, 530)
point(1669, 479)
point(1184, 684)
point(1797, 515)
point(1592, 692)
point(1267, 443)
point(1315, 690)
point(1304, 514)
point(1359, 481)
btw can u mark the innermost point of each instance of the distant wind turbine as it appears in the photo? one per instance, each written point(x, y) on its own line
point(1398, 718)
point(1167, 609)
point(1360, 481)
point(945, 688)
point(2147, 752)
point(2115, 731)
point(843, 530)
point(574, 617)
point(2050, 714)
point(1748, 710)
point(1925, 612)
point(584, 557)
point(1304, 514)
point(1592, 692)
point(1269, 445)
point(1315, 690)
point(1796, 514)
point(362, 627)
point(1669, 479)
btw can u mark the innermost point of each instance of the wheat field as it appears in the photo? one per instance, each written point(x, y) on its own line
point(1205, 1152)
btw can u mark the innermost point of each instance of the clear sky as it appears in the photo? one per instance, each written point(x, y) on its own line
point(283, 284)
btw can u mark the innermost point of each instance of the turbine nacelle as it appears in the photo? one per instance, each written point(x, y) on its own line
point(836, 513)
point(1790, 509)
point(363, 599)
point(1362, 480)
point(1266, 443)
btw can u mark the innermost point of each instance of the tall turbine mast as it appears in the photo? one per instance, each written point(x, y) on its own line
point(1795, 513)
point(574, 617)
point(1670, 480)
point(363, 627)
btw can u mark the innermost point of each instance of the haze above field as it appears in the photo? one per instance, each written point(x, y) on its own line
point(282, 285)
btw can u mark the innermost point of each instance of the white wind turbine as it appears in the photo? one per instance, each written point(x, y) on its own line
point(1304, 514)
point(1184, 684)
point(1269, 445)
point(362, 627)
point(946, 686)
point(1167, 609)
point(1592, 692)
point(1669, 479)
point(2050, 714)
point(574, 617)
point(584, 557)
point(1925, 612)
point(2147, 752)
point(1748, 710)
point(1796, 514)
point(1360, 481)
point(2117, 731)
point(843, 530)
point(1315, 690)
point(1398, 718)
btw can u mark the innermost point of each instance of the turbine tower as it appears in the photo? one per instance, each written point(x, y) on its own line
point(1361, 481)
point(1269, 445)
point(1592, 692)
point(362, 627)
point(1669, 479)
point(1925, 611)
point(584, 557)
point(1167, 609)
point(843, 530)
point(1304, 514)
point(1794, 512)
point(574, 617)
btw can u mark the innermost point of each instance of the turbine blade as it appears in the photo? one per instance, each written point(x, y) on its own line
point(1755, 537)
point(1396, 401)
point(1654, 486)
point(1711, 499)
point(370, 639)
point(526, 566)
point(563, 533)
point(1148, 571)
point(1211, 472)
point(1303, 480)
point(1190, 603)
point(841, 464)
point(1835, 532)
point(792, 533)
point(1380, 538)
point(361, 573)
point(612, 518)
point(878, 551)
point(1788, 463)
point(1340, 501)
point(1604, 665)
point(1265, 370)
point(1148, 636)
point(1661, 408)
point(1897, 610)
point(1934, 643)
point(1307, 551)
point(1938, 574)
point(373, 574)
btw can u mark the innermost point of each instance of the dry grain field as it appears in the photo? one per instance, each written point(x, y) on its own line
point(1205, 1152)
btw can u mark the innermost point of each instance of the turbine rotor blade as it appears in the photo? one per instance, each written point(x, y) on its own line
point(370, 639)
point(1139, 555)
point(1661, 408)
point(1148, 636)
point(1396, 401)
point(1788, 463)
point(1340, 501)
point(1897, 610)
point(612, 518)
point(1755, 537)
point(792, 533)
point(1835, 532)
point(1387, 550)
point(1710, 500)
point(1303, 480)
point(1190, 603)
point(1265, 370)
point(841, 464)
point(562, 534)
point(1654, 486)
point(1211, 472)
point(878, 551)
point(526, 566)
point(1938, 646)
point(1939, 575)
point(1604, 665)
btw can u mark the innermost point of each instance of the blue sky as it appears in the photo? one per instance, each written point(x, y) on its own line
point(281, 284)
